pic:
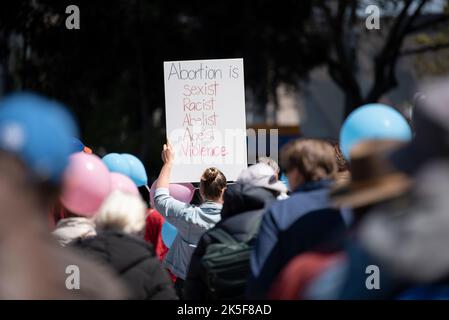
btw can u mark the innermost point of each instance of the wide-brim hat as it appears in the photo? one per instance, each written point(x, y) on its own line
point(374, 179)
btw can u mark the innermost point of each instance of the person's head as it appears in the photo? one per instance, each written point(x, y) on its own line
point(374, 179)
point(307, 160)
point(343, 175)
point(212, 185)
point(270, 162)
point(342, 164)
point(123, 212)
point(263, 176)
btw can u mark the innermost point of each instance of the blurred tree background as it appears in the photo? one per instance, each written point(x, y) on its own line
point(110, 71)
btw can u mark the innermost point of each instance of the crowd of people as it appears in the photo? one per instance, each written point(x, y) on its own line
point(362, 218)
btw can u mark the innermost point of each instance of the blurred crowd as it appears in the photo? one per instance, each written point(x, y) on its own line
point(365, 217)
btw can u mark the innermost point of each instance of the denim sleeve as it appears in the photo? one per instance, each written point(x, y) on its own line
point(181, 215)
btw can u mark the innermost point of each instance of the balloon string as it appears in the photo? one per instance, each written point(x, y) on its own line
point(146, 186)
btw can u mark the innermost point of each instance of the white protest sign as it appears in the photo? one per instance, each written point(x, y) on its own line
point(205, 117)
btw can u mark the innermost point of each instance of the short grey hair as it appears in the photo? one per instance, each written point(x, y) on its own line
point(268, 161)
point(121, 211)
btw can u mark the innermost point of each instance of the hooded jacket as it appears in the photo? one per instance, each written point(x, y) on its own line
point(191, 222)
point(405, 237)
point(134, 261)
point(242, 209)
point(70, 229)
point(305, 221)
point(411, 237)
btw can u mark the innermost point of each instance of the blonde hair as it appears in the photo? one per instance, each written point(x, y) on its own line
point(121, 211)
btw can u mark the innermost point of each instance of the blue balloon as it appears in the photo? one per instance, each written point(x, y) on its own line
point(39, 131)
point(138, 174)
point(117, 163)
point(373, 121)
point(169, 233)
point(284, 179)
point(77, 145)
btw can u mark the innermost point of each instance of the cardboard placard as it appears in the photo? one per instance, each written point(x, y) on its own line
point(205, 117)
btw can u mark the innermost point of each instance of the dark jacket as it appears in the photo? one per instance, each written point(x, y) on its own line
point(242, 208)
point(298, 224)
point(134, 261)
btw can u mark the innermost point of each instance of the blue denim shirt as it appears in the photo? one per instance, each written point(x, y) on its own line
point(191, 222)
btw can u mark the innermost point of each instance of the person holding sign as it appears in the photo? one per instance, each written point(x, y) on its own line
point(191, 221)
point(205, 117)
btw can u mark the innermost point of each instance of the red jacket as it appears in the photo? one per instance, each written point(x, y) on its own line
point(300, 273)
point(153, 235)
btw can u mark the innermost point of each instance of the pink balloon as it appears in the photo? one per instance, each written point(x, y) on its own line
point(122, 183)
point(180, 191)
point(86, 184)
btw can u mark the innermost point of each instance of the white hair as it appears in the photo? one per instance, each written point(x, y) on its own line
point(121, 211)
point(270, 162)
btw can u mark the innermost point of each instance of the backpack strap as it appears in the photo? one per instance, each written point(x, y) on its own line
point(222, 236)
point(255, 229)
